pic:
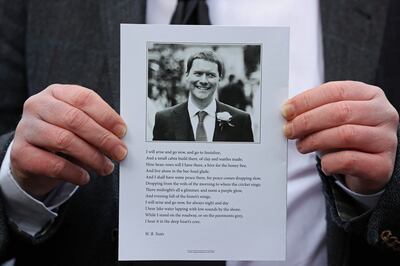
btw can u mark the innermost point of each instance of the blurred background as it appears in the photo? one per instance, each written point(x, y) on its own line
point(240, 86)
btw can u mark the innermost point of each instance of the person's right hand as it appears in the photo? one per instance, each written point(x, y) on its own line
point(70, 121)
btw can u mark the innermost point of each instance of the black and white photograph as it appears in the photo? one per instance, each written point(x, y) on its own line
point(203, 108)
point(203, 92)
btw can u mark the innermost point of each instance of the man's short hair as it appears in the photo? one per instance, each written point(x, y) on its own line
point(207, 55)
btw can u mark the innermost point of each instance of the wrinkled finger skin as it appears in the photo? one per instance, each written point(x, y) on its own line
point(65, 121)
point(353, 126)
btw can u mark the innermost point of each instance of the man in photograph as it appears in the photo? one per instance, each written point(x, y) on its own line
point(202, 117)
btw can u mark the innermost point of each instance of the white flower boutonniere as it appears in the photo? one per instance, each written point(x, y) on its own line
point(224, 118)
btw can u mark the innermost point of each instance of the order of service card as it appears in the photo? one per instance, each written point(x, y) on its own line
point(215, 191)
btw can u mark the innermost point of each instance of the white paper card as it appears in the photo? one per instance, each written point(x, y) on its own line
point(220, 199)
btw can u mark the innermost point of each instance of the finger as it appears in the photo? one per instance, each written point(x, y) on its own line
point(72, 119)
point(369, 113)
point(33, 161)
point(60, 140)
point(92, 104)
point(362, 138)
point(328, 93)
point(365, 186)
point(371, 167)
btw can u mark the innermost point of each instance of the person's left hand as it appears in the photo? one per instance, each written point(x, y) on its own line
point(352, 125)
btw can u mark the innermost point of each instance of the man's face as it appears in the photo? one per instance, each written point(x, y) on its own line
point(203, 80)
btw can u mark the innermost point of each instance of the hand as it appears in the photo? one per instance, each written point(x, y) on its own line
point(65, 121)
point(352, 125)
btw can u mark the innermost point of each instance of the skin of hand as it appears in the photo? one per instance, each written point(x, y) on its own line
point(354, 128)
point(65, 121)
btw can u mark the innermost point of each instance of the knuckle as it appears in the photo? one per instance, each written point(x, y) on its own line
point(105, 140)
point(341, 91)
point(374, 92)
point(74, 118)
point(16, 154)
point(312, 141)
point(393, 115)
point(51, 88)
point(30, 104)
point(97, 159)
point(332, 84)
point(305, 122)
point(57, 89)
point(387, 165)
point(307, 144)
point(82, 98)
point(378, 91)
point(106, 117)
point(54, 86)
point(355, 83)
point(56, 168)
point(92, 156)
point(21, 128)
point(391, 142)
point(307, 101)
point(349, 161)
point(346, 134)
point(337, 89)
point(64, 140)
point(343, 113)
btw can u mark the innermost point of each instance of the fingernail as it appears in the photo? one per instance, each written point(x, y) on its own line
point(109, 167)
point(84, 177)
point(120, 130)
point(288, 111)
point(120, 152)
point(287, 130)
point(299, 146)
point(325, 172)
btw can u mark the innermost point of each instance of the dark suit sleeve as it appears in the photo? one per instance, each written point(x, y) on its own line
point(379, 227)
point(4, 230)
point(12, 63)
point(12, 87)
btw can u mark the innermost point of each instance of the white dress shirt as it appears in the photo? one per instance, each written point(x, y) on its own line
point(306, 226)
point(28, 213)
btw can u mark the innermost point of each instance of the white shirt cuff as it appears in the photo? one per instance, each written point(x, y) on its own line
point(367, 201)
point(27, 213)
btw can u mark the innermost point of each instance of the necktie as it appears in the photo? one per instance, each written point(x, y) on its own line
point(191, 12)
point(201, 134)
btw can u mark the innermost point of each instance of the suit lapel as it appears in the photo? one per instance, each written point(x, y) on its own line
point(219, 135)
point(352, 37)
point(182, 124)
point(217, 132)
point(113, 13)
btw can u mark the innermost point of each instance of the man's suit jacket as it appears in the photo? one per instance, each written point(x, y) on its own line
point(174, 124)
point(77, 42)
